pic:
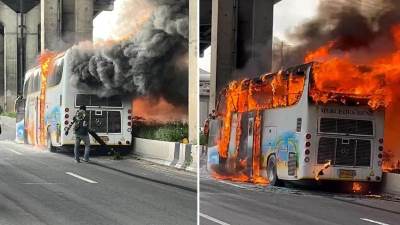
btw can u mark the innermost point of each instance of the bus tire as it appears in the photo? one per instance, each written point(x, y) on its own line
point(50, 146)
point(271, 172)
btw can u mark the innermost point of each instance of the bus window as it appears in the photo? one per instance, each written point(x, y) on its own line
point(26, 88)
point(114, 122)
point(296, 87)
point(30, 84)
point(55, 78)
point(82, 99)
point(97, 101)
point(114, 101)
point(98, 121)
point(35, 83)
point(280, 90)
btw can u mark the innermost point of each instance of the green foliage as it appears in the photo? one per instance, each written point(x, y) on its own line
point(173, 131)
point(9, 114)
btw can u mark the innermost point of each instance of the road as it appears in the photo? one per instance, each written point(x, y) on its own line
point(38, 187)
point(228, 203)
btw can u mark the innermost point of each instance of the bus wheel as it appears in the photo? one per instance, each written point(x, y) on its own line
point(271, 172)
point(50, 146)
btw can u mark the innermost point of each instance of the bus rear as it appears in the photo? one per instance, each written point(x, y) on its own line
point(109, 117)
point(343, 143)
point(343, 138)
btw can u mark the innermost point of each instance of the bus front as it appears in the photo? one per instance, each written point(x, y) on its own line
point(344, 137)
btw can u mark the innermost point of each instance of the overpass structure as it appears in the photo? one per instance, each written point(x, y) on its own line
point(28, 27)
point(240, 33)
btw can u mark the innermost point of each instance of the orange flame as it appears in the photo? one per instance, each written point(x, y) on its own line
point(158, 110)
point(377, 81)
point(357, 187)
point(46, 61)
point(269, 91)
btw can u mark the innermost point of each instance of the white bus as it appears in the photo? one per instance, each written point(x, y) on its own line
point(46, 116)
point(281, 133)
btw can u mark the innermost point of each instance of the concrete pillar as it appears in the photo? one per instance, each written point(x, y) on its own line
point(32, 33)
point(241, 41)
point(1, 65)
point(50, 24)
point(193, 73)
point(223, 45)
point(83, 20)
point(10, 84)
point(8, 18)
point(254, 37)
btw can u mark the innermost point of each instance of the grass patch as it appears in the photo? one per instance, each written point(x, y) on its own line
point(9, 114)
point(173, 131)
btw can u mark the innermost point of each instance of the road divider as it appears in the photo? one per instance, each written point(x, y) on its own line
point(81, 178)
point(391, 183)
point(174, 154)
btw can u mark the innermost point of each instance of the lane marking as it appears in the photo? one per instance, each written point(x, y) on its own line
point(82, 178)
point(12, 150)
point(42, 183)
point(373, 221)
point(234, 185)
point(213, 219)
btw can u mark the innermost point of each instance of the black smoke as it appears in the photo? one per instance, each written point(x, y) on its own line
point(361, 28)
point(151, 63)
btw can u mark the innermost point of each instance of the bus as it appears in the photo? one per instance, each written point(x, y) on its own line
point(271, 127)
point(49, 103)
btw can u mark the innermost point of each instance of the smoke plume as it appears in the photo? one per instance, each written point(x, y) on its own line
point(361, 31)
point(359, 27)
point(149, 63)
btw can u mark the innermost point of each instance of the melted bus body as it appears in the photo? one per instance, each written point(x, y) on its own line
point(301, 140)
point(108, 117)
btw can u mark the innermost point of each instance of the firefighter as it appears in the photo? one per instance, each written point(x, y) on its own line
point(81, 130)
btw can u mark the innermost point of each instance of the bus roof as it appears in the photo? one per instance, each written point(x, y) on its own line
point(31, 71)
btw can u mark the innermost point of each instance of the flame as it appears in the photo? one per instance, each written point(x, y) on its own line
point(357, 187)
point(157, 110)
point(46, 61)
point(376, 80)
point(269, 91)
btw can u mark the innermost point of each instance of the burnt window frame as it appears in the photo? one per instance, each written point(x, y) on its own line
point(98, 106)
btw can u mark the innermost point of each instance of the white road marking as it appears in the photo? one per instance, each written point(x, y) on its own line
point(235, 185)
point(42, 183)
point(12, 150)
point(373, 221)
point(213, 219)
point(82, 178)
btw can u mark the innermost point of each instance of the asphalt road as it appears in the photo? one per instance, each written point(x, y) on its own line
point(38, 187)
point(227, 203)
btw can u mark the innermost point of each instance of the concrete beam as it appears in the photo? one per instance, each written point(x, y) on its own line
point(193, 74)
point(241, 40)
point(50, 24)
point(83, 20)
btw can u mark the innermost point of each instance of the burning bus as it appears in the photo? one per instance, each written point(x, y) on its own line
point(280, 126)
point(49, 103)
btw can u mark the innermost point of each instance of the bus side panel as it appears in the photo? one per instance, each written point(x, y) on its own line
point(280, 137)
point(283, 132)
point(53, 114)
